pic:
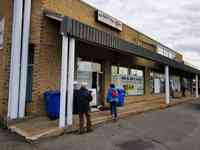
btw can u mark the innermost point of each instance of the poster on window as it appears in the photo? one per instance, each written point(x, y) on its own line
point(133, 85)
point(1, 32)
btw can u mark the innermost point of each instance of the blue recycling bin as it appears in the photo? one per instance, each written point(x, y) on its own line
point(52, 104)
point(121, 97)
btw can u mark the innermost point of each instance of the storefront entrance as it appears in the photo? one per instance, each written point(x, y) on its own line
point(90, 72)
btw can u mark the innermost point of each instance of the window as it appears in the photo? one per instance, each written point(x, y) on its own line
point(123, 71)
point(176, 83)
point(114, 70)
point(136, 82)
point(1, 32)
point(86, 71)
point(132, 82)
point(157, 83)
point(89, 66)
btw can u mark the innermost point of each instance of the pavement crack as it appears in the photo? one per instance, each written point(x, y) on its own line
point(161, 143)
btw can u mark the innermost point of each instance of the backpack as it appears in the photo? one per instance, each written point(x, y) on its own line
point(114, 93)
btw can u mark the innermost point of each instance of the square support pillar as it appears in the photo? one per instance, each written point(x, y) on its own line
point(63, 82)
point(107, 78)
point(147, 80)
point(197, 86)
point(70, 92)
point(24, 57)
point(167, 88)
point(14, 82)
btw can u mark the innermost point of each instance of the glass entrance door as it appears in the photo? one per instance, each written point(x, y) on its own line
point(90, 72)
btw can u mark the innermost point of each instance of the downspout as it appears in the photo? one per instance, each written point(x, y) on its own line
point(13, 100)
point(24, 57)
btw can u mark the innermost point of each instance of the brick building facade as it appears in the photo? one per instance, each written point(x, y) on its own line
point(45, 50)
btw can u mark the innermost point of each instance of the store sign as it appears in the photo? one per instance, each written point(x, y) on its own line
point(109, 20)
point(1, 32)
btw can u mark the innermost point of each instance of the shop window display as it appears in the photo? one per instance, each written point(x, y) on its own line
point(176, 83)
point(132, 80)
point(157, 83)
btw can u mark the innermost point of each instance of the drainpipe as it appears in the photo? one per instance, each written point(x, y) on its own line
point(13, 100)
point(24, 57)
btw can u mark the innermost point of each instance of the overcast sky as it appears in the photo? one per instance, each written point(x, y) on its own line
point(175, 23)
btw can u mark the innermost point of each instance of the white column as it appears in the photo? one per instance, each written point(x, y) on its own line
point(63, 83)
point(24, 57)
point(197, 86)
point(167, 88)
point(70, 81)
point(13, 101)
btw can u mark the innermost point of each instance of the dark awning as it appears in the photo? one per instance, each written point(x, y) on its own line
point(85, 32)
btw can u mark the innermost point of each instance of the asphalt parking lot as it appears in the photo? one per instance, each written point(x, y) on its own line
point(175, 128)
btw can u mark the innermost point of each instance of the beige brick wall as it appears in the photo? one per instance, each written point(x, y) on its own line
point(86, 14)
point(6, 12)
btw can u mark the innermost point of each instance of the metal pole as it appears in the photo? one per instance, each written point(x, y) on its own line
point(167, 88)
point(70, 81)
point(63, 83)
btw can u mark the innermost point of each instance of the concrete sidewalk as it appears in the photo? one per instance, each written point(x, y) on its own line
point(175, 128)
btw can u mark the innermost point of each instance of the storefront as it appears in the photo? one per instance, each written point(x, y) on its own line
point(76, 42)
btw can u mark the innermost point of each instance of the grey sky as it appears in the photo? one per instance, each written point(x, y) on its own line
point(175, 23)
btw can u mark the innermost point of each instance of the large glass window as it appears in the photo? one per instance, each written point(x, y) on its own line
point(176, 83)
point(157, 83)
point(132, 80)
point(123, 71)
point(136, 82)
point(85, 71)
point(187, 83)
point(89, 66)
point(1, 31)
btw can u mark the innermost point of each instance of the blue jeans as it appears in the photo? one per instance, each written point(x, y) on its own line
point(113, 109)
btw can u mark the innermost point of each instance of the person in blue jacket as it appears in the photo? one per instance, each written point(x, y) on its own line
point(112, 98)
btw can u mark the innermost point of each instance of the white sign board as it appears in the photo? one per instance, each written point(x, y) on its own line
point(109, 20)
point(1, 32)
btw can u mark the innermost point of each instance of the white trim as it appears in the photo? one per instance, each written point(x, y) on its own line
point(54, 17)
point(167, 88)
point(24, 58)
point(15, 60)
point(63, 83)
point(70, 82)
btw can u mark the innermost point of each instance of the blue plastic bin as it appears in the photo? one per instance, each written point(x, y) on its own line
point(52, 104)
point(121, 97)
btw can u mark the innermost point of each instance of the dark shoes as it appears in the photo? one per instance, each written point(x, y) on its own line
point(82, 131)
point(89, 130)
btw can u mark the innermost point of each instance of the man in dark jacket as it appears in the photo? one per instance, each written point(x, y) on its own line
point(84, 99)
